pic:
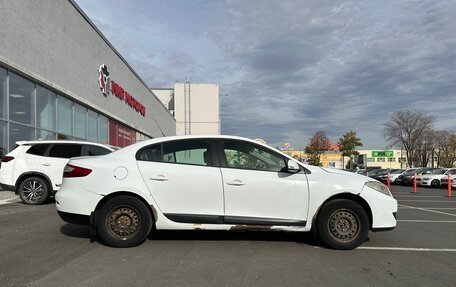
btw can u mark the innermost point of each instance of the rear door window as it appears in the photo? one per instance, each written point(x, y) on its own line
point(38, 149)
point(188, 152)
point(93, 150)
point(193, 152)
point(65, 150)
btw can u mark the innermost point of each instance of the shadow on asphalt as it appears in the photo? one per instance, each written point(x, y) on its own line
point(306, 238)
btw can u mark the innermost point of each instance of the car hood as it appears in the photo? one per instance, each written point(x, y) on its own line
point(337, 171)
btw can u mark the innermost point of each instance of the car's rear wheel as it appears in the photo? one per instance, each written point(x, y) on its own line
point(124, 221)
point(34, 190)
point(435, 183)
point(342, 224)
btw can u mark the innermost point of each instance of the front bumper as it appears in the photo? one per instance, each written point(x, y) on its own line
point(383, 207)
point(8, 187)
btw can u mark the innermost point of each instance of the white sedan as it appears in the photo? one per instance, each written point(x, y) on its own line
point(219, 183)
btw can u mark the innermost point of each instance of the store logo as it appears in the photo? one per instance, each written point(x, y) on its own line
point(104, 80)
point(108, 87)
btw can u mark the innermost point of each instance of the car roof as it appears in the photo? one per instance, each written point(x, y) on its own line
point(126, 151)
point(20, 143)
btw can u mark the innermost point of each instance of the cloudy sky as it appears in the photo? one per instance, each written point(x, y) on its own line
point(290, 68)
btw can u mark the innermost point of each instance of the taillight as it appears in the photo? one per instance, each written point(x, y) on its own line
point(6, 158)
point(75, 171)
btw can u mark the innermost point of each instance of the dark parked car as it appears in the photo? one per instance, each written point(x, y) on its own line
point(383, 176)
point(407, 178)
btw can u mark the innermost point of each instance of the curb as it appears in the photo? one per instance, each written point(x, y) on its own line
point(8, 197)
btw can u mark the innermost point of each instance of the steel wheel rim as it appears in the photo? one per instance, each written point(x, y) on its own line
point(33, 191)
point(123, 222)
point(344, 225)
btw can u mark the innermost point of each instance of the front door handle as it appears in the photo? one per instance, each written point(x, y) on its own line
point(159, 177)
point(46, 164)
point(236, 182)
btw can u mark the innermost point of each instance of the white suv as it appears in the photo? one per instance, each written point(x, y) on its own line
point(34, 168)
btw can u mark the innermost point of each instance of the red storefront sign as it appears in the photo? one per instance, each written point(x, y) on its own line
point(108, 86)
point(120, 135)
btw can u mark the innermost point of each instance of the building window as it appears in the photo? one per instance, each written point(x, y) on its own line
point(3, 140)
point(20, 133)
point(45, 135)
point(4, 106)
point(21, 100)
point(92, 121)
point(64, 117)
point(380, 159)
point(370, 159)
point(45, 108)
point(80, 121)
point(29, 111)
point(103, 129)
point(391, 159)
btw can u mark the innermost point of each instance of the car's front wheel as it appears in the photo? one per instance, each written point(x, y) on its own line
point(124, 221)
point(34, 190)
point(342, 224)
point(435, 183)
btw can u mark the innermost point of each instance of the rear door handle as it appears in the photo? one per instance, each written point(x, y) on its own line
point(236, 182)
point(46, 164)
point(159, 177)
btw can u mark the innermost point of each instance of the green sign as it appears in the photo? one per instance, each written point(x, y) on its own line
point(382, 153)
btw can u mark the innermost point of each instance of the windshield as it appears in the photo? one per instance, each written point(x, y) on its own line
point(438, 171)
point(410, 172)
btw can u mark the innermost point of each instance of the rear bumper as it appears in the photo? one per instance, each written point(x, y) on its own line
point(74, 218)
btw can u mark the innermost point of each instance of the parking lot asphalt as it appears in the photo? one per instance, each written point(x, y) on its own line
point(38, 249)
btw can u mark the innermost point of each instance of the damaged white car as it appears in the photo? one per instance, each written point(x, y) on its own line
point(219, 183)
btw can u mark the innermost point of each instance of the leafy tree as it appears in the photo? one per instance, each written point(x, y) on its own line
point(405, 129)
point(347, 145)
point(319, 143)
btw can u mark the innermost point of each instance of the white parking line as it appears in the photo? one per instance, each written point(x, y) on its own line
point(426, 221)
point(406, 249)
point(417, 200)
point(428, 210)
point(419, 196)
point(436, 208)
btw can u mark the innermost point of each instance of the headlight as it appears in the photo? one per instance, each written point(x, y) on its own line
point(378, 186)
point(426, 178)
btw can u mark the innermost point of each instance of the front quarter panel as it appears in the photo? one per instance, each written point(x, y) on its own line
point(324, 185)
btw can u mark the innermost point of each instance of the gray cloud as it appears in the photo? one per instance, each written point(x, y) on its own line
point(293, 67)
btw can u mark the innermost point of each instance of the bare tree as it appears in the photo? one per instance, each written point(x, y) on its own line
point(425, 147)
point(449, 151)
point(405, 129)
point(441, 141)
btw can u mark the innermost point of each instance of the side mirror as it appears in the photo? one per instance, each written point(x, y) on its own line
point(293, 166)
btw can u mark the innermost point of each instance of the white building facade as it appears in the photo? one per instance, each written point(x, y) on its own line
point(195, 106)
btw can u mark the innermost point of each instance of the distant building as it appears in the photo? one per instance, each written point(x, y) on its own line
point(385, 158)
point(196, 107)
point(374, 158)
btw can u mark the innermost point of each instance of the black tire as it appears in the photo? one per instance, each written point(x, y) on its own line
point(342, 224)
point(34, 190)
point(435, 183)
point(124, 221)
